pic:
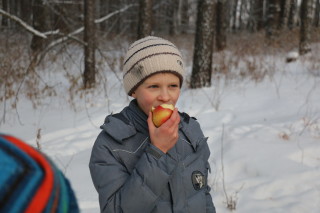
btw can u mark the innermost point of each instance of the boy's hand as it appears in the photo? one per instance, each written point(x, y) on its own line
point(166, 136)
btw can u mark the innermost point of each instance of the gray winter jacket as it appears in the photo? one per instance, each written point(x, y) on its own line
point(132, 175)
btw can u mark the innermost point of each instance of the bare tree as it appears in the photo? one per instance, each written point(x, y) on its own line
point(317, 14)
point(39, 23)
point(284, 14)
point(145, 18)
point(306, 25)
point(89, 39)
point(292, 13)
point(234, 15)
point(26, 11)
point(172, 13)
point(273, 18)
point(202, 58)
point(4, 21)
point(13, 8)
point(243, 4)
point(260, 14)
point(221, 25)
point(256, 19)
point(184, 16)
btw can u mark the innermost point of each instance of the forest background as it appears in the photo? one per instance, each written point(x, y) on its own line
point(70, 53)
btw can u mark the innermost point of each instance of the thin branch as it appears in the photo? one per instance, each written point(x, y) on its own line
point(55, 32)
point(97, 21)
point(23, 24)
point(222, 165)
point(72, 34)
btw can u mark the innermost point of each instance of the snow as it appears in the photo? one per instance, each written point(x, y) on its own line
point(264, 136)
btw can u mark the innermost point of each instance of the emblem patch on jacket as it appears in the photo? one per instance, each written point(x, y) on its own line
point(198, 180)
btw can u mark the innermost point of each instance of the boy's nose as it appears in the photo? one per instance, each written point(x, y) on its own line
point(164, 95)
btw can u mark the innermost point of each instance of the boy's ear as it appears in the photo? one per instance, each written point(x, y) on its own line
point(133, 95)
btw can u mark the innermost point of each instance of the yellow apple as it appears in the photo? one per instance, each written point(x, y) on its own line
point(161, 114)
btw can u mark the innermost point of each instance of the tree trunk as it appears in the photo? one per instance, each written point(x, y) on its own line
point(145, 18)
point(305, 28)
point(252, 20)
point(172, 9)
point(202, 59)
point(284, 14)
point(317, 14)
point(26, 11)
point(259, 14)
point(89, 38)
point(273, 19)
point(292, 14)
point(5, 21)
point(13, 6)
point(184, 26)
point(242, 5)
point(221, 25)
point(39, 23)
point(234, 15)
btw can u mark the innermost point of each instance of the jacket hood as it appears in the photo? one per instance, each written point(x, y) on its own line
point(118, 127)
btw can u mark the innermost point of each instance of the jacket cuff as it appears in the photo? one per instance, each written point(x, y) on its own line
point(154, 151)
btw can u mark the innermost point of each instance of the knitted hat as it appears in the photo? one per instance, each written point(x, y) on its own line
point(30, 181)
point(148, 56)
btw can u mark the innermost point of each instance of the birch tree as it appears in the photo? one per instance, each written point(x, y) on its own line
point(202, 58)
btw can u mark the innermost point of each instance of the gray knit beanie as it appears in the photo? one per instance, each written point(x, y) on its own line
point(148, 56)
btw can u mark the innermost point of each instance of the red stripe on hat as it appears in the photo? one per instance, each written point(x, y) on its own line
point(42, 195)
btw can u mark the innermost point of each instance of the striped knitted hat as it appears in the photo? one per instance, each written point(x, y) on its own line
point(148, 56)
point(30, 181)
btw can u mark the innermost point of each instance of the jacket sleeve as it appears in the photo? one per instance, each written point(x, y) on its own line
point(210, 208)
point(193, 131)
point(120, 191)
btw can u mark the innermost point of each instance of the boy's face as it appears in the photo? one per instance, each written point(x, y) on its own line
point(158, 89)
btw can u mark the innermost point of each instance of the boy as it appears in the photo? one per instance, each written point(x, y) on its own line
point(139, 168)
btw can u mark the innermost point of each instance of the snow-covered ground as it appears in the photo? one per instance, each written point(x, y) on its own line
point(264, 137)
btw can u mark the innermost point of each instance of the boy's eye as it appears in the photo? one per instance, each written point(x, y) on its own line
point(153, 86)
point(174, 85)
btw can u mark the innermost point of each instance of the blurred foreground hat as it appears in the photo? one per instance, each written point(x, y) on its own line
point(30, 182)
point(148, 56)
